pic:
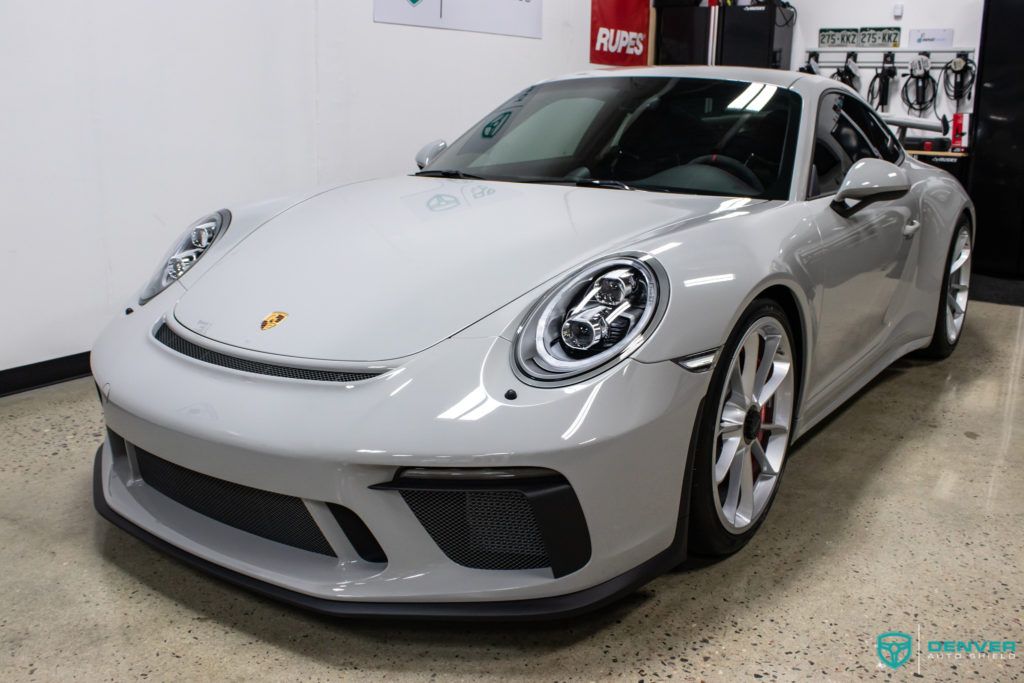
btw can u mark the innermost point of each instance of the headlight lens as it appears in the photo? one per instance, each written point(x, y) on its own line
point(595, 317)
point(185, 252)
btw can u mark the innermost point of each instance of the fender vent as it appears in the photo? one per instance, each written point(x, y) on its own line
point(165, 336)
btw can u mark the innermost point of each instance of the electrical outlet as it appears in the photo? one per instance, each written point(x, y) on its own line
point(897, 11)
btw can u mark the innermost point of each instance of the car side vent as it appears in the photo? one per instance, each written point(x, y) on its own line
point(359, 535)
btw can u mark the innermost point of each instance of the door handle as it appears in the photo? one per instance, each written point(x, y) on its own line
point(911, 228)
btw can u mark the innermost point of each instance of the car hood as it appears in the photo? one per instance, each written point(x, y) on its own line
point(386, 268)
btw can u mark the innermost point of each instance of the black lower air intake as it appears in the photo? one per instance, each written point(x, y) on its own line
point(273, 516)
point(514, 518)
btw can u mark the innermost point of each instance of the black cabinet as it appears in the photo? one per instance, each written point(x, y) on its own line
point(997, 167)
point(683, 32)
point(759, 35)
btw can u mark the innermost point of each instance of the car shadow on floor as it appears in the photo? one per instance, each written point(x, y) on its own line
point(858, 440)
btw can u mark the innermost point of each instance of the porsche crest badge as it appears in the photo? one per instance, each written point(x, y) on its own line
point(273, 320)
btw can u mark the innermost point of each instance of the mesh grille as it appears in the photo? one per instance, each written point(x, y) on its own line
point(481, 529)
point(273, 516)
point(165, 336)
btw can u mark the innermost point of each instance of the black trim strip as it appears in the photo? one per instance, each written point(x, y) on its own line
point(43, 374)
point(555, 607)
point(465, 481)
point(118, 446)
point(562, 526)
point(166, 336)
point(846, 210)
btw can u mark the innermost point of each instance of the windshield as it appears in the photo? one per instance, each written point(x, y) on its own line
point(686, 135)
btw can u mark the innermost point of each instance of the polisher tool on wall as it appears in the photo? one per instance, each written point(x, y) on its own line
point(849, 73)
point(880, 87)
point(920, 89)
point(958, 77)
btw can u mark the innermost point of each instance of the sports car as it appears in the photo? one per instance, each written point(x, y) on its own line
point(568, 353)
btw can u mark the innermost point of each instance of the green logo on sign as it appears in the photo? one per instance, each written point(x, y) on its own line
point(894, 648)
point(415, 2)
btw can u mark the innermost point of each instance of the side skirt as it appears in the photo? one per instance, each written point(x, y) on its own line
point(860, 379)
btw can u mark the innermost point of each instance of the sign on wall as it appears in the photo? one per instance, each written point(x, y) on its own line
point(619, 32)
point(885, 36)
point(931, 38)
point(506, 17)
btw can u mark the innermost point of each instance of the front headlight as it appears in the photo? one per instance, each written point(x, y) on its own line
point(597, 316)
point(185, 252)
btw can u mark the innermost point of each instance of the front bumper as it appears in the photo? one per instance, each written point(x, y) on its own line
point(559, 606)
point(620, 440)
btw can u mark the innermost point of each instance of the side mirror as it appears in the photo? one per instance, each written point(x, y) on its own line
point(869, 181)
point(430, 152)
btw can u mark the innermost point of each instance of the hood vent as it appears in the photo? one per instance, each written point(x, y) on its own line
point(165, 336)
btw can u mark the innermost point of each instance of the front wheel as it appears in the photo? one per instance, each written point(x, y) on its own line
point(744, 432)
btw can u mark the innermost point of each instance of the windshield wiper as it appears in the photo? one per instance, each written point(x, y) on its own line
point(449, 173)
point(578, 182)
point(598, 182)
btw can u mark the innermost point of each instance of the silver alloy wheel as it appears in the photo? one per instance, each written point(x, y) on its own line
point(959, 285)
point(754, 418)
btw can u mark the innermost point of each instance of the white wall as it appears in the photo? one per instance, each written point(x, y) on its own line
point(386, 90)
point(964, 16)
point(123, 120)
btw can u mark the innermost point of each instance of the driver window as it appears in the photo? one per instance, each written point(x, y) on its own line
point(827, 171)
point(839, 142)
point(879, 135)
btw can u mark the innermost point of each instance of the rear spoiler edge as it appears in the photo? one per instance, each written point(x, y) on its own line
point(904, 122)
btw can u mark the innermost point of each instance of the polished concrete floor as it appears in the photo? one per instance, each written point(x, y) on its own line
point(904, 512)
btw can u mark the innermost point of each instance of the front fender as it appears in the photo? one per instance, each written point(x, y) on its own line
point(719, 269)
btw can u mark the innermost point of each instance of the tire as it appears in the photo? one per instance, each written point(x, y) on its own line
point(721, 524)
point(953, 295)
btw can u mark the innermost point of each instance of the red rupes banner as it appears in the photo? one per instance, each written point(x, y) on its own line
point(619, 31)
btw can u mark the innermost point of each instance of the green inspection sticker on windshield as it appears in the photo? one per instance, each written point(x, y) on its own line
point(492, 127)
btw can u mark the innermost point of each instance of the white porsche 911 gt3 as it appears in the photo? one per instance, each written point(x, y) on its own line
point(573, 348)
